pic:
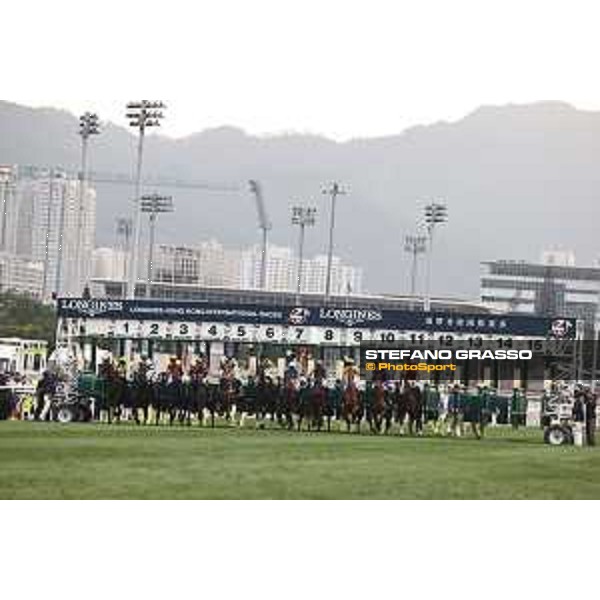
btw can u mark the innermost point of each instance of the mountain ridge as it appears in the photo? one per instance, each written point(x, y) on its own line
point(517, 179)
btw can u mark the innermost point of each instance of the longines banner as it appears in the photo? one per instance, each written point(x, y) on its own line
point(336, 317)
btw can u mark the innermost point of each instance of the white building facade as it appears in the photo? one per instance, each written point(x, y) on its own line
point(282, 272)
point(109, 264)
point(208, 264)
point(21, 275)
point(46, 219)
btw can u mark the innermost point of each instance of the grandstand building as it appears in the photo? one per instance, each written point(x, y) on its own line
point(554, 287)
point(105, 288)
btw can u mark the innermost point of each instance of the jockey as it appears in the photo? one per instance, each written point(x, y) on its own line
point(106, 367)
point(122, 368)
point(292, 367)
point(350, 372)
point(198, 369)
point(319, 372)
point(304, 393)
point(264, 370)
point(174, 369)
point(144, 370)
point(228, 367)
point(336, 395)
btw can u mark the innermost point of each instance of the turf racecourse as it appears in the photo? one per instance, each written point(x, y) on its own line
point(39, 460)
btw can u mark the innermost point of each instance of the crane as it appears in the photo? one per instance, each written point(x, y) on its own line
point(265, 225)
point(34, 171)
point(122, 179)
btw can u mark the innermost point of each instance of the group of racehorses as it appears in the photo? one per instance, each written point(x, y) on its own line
point(292, 403)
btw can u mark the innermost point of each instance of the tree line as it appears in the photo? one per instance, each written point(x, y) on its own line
point(24, 317)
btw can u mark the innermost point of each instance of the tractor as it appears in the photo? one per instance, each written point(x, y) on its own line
point(557, 420)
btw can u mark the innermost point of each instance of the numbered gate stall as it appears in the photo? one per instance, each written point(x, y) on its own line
point(160, 329)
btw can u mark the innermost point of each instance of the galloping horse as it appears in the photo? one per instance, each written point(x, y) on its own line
point(198, 390)
point(142, 392)
point(317, 405)
point(351, 406)
point(410, 405)
point(112, 390)
point(225, 400)
point(222, 400)
point(378, 407)
point(290, 403)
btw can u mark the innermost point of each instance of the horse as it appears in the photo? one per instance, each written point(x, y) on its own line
point(378, 407)
point(410, 404)
point(224, 401)
point(197, 394)
point(113, 391)
point(317, 405)
point(290, 403)
point(333, 404)
point(247, 401)
point(351, 407)
point(160, 397)
point(141, 394)
point(262, 400)
point(381, 409)
point(174, 398)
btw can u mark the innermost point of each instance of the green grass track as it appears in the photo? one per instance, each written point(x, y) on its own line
point(48, 460)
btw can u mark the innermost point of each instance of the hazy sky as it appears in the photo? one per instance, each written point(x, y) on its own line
point(343, 69)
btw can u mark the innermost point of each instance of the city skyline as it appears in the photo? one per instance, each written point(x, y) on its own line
point(209, 263)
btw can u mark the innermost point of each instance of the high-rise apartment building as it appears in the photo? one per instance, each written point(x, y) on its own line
point(46, 219)
point(282, 272)
point(8, 209)
point(207, 264)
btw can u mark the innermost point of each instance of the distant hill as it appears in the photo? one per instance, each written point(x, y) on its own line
point(517, 179)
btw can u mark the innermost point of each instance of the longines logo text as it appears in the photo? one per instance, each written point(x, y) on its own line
point(91, 308)
point(350, 316)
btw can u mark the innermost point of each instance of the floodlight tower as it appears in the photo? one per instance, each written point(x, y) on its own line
point(436, 213)
point(123, 231)
point(123, 244)
point(89, 125)
point(153, 205)
point(265, 225)
point(303, 216)
point(142, 115)
point(414, 245)
point(334, 191)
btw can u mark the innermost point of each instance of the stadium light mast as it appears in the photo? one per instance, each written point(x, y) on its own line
point(153, 205)
point(303, 216)
point(265, 225)
point(89, 125)
point(334, 191)
point(142, 115)
point(414, 245)
point(123, 231)
point(436, 213)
